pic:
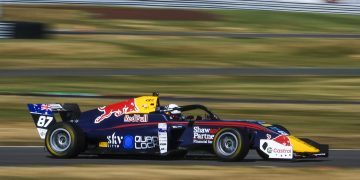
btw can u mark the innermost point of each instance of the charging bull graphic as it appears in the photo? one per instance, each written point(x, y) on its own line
point(117, 109)
point(282, 139)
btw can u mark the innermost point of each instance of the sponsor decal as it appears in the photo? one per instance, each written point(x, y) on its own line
point(128, 142)
point(42, 132)
point(44, 109)
point(268, 136)
point(114, 141)
point(117, 109)
point(150, 100)
point(204, 135)
point(145, 106)
point(103, 144)
point(132, 142)
point(176, 127)
point(282, 139)
point(281, 150)
point(42, 124)
point(146, 142)
point(136, 118)
point(55, 107)
point(279, 147)
point(163, 140)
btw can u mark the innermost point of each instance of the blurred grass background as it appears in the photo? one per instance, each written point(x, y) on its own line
point(90, 18)
point(149, 51)
point(337, 124)
point(179, 52)
point(200, 172)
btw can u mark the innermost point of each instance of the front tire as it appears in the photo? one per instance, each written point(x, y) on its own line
point(263, 155)
point(231, 144)
point(64, 140)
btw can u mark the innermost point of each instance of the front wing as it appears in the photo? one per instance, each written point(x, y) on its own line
point(291, 147)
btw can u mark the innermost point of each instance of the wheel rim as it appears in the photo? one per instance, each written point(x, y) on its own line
point(60, 140)
point(227, 143)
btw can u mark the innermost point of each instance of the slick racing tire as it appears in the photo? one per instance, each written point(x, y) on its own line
point(64, 140)
point(231, 144)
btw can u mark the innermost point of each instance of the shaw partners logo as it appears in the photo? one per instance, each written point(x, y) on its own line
point(204, 135)
point(117, 109)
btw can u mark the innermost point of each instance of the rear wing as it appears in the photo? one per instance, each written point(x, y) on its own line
point(44, 115)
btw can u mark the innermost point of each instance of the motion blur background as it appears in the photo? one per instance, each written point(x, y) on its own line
point(147, 37)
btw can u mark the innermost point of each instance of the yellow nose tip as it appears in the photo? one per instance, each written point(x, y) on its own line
point(300, 146)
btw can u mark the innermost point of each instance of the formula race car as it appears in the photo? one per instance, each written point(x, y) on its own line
point(141, 126)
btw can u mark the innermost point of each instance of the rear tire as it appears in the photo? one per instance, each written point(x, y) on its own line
point(231, 144)
point(64, 140)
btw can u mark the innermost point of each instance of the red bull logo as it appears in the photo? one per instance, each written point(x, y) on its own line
point(117, 109)
point(282, 139)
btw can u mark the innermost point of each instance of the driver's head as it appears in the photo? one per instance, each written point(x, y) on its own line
point(174, 111)
point(173, 108)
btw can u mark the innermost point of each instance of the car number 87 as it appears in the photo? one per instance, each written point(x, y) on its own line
point(44, 121)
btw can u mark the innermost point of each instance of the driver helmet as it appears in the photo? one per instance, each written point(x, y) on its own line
point(173, 110)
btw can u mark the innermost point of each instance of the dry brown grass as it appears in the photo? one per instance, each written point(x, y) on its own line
point(137, 172)
point(24, 133)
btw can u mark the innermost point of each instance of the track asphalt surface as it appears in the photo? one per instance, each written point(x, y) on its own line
point(28, 156)
point(183, 71)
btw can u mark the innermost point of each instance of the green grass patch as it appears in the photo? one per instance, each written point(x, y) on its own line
point(228, 20)
point(182, 52)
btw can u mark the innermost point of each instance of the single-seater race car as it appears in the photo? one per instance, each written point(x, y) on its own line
point(141, 126)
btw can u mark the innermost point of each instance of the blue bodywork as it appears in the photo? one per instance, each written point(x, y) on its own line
point(139, 133)
point(142, 137)
point(141, 126)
